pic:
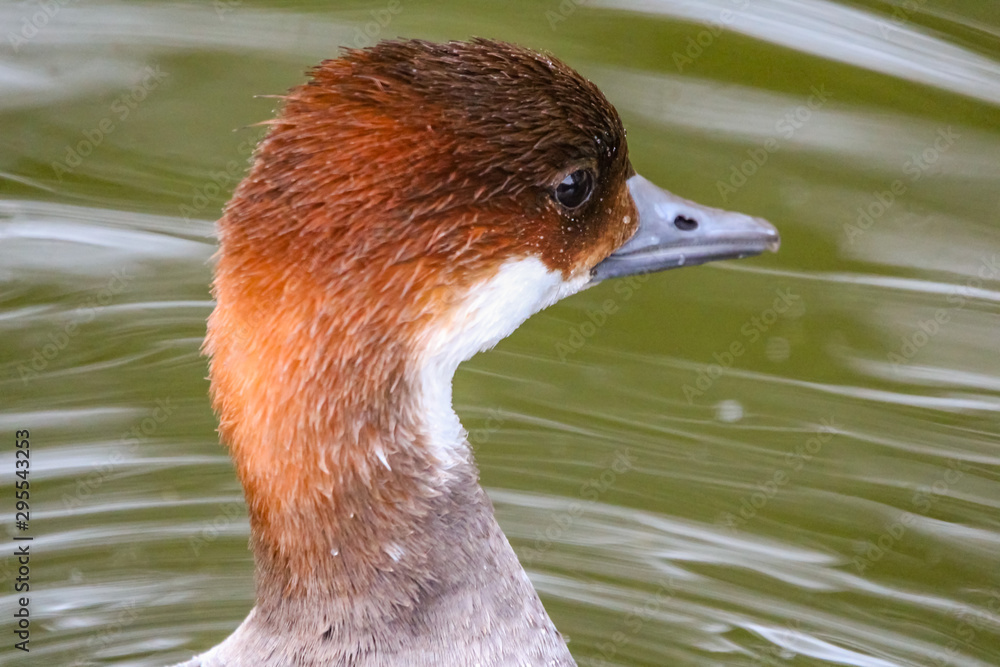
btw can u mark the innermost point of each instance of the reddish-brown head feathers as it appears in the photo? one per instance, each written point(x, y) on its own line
point(393, 182)
point(448, 151)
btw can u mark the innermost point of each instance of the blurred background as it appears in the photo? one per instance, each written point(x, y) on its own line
point(791, 459)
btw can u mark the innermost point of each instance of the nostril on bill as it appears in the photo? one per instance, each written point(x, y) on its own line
point(685, 224)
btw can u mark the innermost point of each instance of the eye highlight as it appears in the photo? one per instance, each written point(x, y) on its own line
point(575, 189)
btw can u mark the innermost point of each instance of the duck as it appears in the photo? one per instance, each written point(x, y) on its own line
point(411, 205)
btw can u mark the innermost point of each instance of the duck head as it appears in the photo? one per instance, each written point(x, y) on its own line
point(411, 205)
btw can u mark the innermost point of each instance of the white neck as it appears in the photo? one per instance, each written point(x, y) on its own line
point(492, 310)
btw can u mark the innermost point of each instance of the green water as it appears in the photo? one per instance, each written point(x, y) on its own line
point(791, 459)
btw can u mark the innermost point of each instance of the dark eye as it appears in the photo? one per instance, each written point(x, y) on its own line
point(575, 189)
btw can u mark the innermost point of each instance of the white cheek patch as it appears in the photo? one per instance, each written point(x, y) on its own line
point(491, 311)
point(494, 308)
